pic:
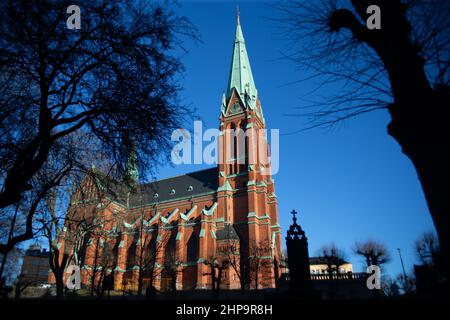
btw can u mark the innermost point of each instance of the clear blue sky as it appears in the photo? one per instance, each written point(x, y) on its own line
point(349, 184)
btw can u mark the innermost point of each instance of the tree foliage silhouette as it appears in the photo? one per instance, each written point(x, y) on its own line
point(334, 258)
point(427, 249)
point(114, 80)
point(374, 253)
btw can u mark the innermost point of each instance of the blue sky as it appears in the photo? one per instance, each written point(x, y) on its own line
point(349, 184)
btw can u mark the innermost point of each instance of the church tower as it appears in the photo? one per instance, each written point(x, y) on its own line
point(246, 193)
point(182, 232)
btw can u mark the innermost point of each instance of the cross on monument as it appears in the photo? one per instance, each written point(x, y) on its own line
point(297, 251)
point(293, 212)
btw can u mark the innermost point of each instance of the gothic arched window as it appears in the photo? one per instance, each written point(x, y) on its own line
point(150, 252)
point(243, 149)
point(235, 145)
point(193, 247)
point(233, 148)
point(170, 251)
point(131, 255)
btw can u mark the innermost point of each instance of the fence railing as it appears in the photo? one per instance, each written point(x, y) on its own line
point(341, 276)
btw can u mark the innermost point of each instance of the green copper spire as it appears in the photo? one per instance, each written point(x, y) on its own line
point(131, 167)
point(241, 76)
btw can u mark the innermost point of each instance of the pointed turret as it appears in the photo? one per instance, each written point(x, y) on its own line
point(131, 167)
point(241, 77)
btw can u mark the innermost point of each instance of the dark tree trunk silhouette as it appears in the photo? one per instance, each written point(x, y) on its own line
point(216, 268)
point(20, 287)
point(58, 266)
point(418, 121)
point(212, 273)
point(403, 67)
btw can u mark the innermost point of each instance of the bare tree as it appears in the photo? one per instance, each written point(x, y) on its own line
point(389, 287)
point(231, 253)
point(406, 283)
point(72, 238)
point(334, 258)
point(114, 79)
point(217, 265)
point(427, 249)
point(230, 250)
point(260, 261)
point(11, 263)
point(8, 225)
point(151, 245)
point(98, 257)
point(105, 265)
point(58, 259)
point(402, 68)
point(374, 253)
point(20, 285)
point(170, 266)
point(62, 225)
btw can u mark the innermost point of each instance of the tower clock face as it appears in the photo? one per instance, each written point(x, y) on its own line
point(235, 108)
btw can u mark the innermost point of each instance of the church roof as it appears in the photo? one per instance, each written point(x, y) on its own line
point(170, 189)
point(183, 186)
point(186, 185)
point(241, 77)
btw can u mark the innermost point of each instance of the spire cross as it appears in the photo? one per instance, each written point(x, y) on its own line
point(238, 14)
point(293, 212)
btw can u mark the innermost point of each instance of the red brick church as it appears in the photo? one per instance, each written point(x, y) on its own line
point(215, 227)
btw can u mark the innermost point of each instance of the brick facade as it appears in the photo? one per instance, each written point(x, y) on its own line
point(168, 232)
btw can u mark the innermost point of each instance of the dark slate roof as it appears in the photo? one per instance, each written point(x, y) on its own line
point(186, 185)
point(228, 232)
